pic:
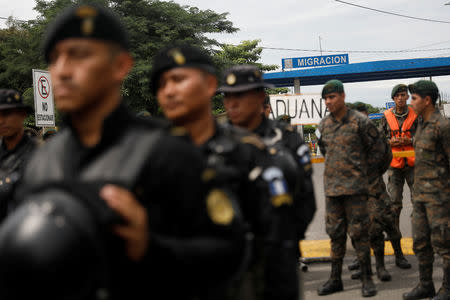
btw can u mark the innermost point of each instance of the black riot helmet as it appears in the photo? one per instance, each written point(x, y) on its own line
point(53, 246)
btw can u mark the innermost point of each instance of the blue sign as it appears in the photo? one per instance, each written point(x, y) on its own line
point(314, 61)
point(375, 116)
point(390, 105)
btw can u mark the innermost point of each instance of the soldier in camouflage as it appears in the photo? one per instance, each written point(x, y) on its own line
point(401, 169)
point(430, 219)
point(347, 137)
point(381, 216)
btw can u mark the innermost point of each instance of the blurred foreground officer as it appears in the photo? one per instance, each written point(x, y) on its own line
point(15, 145)
point(430, 218)
point(399, 125)
point(352, 147)
point(113, 206)
point(184, 81)
point(243, 87)
point(380, 215)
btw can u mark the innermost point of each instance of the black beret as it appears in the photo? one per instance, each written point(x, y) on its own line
point(179, 56)
point(242, 78)
point(86, 21)
point(12, 99)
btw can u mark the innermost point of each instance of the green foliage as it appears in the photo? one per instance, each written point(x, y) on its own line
point(370, 108)
point(151, 24)
point(247, 52)
point(276, 91)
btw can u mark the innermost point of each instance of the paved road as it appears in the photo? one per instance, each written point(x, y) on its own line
point(403, 281)
point(316, 230)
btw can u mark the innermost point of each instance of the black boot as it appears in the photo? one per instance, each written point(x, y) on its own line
point(425, 288)
point(357, 274)
point(382, 273)
point(368, 287)
point(354, 265)
point(334, 284)
point(400, 260)
point(444, 291)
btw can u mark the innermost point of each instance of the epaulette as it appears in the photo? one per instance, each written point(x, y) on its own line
point(253, 140)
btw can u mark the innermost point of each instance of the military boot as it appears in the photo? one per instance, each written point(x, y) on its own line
point(382, 273)
point(425, 288)
point(400, 260)
point(368, 287)
point(357, 275)
point(334, 284)
point(354, 265)
point(444, 291)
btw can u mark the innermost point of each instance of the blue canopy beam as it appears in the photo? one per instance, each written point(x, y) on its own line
point(366, 71)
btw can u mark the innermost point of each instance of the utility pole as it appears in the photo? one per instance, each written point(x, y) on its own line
point(320, 44)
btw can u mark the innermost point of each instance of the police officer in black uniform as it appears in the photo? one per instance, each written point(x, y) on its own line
point(184, 80)
point(243, 87)
point(113, 207)
point(16, 145)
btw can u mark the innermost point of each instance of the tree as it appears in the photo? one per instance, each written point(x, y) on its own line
point(152, 24)
point(247, 52)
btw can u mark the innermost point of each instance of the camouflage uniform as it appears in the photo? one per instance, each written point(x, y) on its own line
point(380, 215)
point(397, 177)
point(430, 219)
point(346, 146)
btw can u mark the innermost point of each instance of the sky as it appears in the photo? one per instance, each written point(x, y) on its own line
point(298, 24)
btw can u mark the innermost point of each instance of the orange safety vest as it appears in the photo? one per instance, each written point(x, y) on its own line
point(399, 162)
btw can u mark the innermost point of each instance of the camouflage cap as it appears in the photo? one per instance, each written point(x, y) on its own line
point(424, 88)
point(86, 21)
point(398, 89)
point(332, 86)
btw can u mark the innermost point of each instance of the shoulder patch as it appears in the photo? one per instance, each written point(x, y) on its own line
point(219, 207)
point(253, 140)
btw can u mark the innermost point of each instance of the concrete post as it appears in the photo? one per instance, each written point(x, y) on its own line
point(296, 86)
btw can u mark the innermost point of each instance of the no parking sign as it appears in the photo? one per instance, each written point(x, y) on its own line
point(43, 99)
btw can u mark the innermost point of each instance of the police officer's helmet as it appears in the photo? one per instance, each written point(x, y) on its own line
point(53, 247)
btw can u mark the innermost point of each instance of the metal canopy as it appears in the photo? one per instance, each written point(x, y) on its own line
point(367, 71)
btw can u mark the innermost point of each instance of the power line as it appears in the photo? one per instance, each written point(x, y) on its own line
point(357, 51)
point(5, 18)
point(392, 13)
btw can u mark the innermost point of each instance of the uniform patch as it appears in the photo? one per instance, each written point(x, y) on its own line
point(219, 207)
point(275, 178)
point(280, 200)
point(303, 154)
